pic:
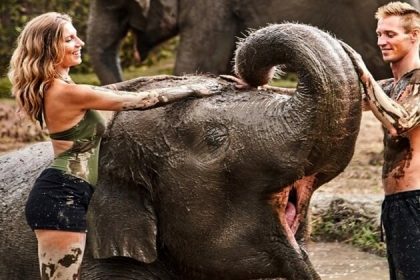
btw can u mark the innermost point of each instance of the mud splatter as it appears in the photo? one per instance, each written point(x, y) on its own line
point(403, 165)
point(70, 259)
point(47, 270)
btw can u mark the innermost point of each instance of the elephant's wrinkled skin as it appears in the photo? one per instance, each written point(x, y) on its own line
point(213, 188)
point(208, 29)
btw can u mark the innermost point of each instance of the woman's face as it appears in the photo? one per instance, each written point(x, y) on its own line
point(395, 43)
point(72, 47)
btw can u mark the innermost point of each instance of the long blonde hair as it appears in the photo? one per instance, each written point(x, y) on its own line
point(40, 48)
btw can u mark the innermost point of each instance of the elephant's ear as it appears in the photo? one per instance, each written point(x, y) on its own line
point(122, 222)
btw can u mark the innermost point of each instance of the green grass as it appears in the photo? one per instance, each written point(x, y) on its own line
point(339, 223)
point(5, 88)
point(289, 80)
point(160, 68)
point(163, 67)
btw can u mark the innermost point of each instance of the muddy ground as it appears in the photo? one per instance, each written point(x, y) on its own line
point(15, 130)
point(363, 175)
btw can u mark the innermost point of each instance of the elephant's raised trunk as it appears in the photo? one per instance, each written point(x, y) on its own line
point(327, 98)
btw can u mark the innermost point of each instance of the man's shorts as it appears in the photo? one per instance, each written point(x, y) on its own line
point(58, 201)
point(401, 222)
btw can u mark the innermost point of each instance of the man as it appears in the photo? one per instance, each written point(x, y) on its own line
point(396, 103)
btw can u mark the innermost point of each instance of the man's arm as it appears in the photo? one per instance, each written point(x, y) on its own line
point(397, 118)
point(365, 100)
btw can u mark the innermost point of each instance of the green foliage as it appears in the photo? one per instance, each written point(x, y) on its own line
point(5, 87)
point(287, 79)
point(344, 224)
point(15, 13)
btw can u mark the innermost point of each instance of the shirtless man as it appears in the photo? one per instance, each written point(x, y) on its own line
point(396, 103)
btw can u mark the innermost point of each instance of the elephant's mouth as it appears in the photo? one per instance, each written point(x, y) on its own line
point(291, 205)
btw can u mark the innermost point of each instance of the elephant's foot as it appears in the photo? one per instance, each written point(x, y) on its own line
point(291, 205)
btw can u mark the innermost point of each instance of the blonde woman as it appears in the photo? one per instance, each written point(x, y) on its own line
point(39, 71)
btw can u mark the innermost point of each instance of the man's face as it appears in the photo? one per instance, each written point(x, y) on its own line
point(393, 40)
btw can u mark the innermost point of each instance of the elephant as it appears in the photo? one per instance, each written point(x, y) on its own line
point(212, 188)
point(208, 29)
point(151, 22)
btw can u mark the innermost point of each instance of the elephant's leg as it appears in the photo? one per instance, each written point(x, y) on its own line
point(161, 25)
point(208, 30)
point(60, 253)
point(106, 29)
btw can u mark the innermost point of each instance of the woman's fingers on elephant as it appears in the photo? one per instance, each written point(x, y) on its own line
point(239, 83)
point(202, 90)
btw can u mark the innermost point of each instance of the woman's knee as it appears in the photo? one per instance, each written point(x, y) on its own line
point(60, 240)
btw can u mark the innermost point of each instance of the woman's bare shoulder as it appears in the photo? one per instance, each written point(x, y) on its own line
point(58, 88)
point(62, 95)
point(64, 91)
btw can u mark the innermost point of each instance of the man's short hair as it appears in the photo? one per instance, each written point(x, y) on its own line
point(409, 14)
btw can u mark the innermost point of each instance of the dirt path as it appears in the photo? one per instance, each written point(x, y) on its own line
point(362, 178)
point(363, 174)
point(343, 262)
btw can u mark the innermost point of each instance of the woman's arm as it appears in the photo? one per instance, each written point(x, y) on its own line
point(99, 98)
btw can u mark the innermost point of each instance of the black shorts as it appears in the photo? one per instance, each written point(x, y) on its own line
point(401, 222)
point(58, 201)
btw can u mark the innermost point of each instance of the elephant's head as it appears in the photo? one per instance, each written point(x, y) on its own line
point(220, 186)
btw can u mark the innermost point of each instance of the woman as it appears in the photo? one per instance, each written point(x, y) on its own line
point(39, 71)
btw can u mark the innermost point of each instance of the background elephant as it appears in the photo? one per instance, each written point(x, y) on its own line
point(151, 22)
point(213, 188)
point(209, 29)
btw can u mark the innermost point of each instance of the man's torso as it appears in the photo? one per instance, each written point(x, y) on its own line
point(401, 169)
